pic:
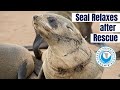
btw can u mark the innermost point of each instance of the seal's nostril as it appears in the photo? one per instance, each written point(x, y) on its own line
point(34, 17)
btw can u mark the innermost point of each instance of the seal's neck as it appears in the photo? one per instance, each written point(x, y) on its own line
point(68, 46)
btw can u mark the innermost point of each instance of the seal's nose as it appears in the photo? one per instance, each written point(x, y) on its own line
point(34, 17)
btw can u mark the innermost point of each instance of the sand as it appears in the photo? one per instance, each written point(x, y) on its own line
point(16, 27)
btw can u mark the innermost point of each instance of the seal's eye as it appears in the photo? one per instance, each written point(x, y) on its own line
point(53, 22)
point(51, 19)
point(69, 28)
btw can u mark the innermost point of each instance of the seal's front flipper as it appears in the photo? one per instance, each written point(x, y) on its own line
point(41, 74)
point(36, 44)
point(22, 70)
point(38, 65)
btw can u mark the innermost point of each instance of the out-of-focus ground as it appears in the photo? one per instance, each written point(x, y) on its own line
point(16, 27)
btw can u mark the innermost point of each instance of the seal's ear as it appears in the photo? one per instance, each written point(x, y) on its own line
point(69, 28)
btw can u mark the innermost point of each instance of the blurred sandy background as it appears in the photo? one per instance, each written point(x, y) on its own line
point(16, 27)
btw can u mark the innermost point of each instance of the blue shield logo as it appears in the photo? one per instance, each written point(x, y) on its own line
point(105, 56)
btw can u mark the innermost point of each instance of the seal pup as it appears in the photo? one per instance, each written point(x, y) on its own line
point(15, 62)
point(68, 55)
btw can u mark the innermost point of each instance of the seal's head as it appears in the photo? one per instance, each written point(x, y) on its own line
point(55, 28)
